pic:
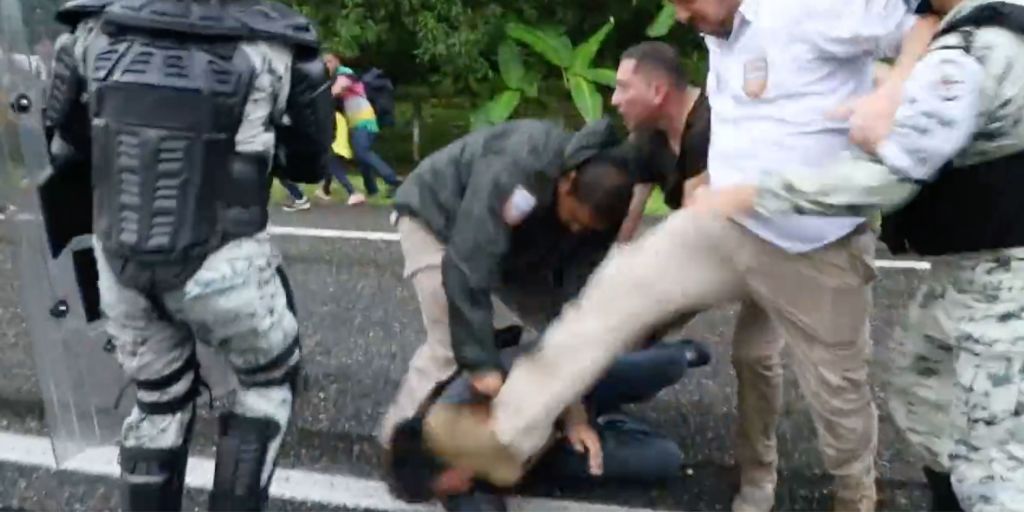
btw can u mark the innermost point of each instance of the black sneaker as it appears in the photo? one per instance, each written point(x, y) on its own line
point(943, 497)
point(697, 353)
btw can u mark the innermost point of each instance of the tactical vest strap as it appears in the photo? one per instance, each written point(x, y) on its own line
point(1004, 15)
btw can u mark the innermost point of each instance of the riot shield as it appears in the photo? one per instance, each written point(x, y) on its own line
point(50, 217)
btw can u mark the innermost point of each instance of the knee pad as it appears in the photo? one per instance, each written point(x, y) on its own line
point(176, 403)
point(242, 449)
point(284, 368)
point(152, 479)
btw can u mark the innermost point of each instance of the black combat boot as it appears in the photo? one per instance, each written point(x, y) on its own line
point(943, 497)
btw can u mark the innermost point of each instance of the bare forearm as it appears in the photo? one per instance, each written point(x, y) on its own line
point(575, 414)
point(691, 185)
point(641, 193)
point(915, 45)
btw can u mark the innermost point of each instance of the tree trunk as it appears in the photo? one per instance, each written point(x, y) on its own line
point(417, 114)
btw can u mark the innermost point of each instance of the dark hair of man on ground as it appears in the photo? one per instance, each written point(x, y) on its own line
point(595, 196)
point(413, 471)
point(416, 474)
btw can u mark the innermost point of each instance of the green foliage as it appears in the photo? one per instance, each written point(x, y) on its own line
point(664, 22)
point(510, 63)
point(497, 110)
point(446, 48)
point(601, 76)
point(584, 94)
point(573, 64)
point(436, 42)
point(554, 47)
point(583, 55)
point(518, 82)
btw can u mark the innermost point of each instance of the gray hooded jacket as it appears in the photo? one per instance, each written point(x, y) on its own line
point(461, 193)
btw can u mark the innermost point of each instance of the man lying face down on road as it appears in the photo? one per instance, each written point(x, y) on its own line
point(522, 211)
point(597, 443)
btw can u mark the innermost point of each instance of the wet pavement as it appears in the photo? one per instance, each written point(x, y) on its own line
point(360, 324)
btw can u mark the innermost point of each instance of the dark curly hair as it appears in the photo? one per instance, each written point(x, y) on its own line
point(605, 185)
point(412, 468)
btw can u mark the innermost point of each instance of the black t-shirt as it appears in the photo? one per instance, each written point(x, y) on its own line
point(924, 7)
point(653, 160)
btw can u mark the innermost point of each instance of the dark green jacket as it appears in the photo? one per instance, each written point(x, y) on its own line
point(459, 192)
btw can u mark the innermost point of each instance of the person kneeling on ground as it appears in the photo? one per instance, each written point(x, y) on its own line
point(522, 213)
point(599, 442)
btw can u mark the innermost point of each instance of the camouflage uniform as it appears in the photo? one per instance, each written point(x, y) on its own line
point(178, 110)
point(957, 382)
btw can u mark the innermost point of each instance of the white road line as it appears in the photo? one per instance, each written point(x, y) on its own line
point(903, 264)
point(289, 484)
point(20, 216)
point(388, 236)
point(393, 237)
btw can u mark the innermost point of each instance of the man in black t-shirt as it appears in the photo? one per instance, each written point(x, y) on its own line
point(669, 121)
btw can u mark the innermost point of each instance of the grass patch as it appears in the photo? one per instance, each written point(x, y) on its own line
point(656, 206)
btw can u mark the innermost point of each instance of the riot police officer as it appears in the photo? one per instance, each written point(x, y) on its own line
point(176, 109)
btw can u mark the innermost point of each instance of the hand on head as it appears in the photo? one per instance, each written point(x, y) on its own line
point(487, 383)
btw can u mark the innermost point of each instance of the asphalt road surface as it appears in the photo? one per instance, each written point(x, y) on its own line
point(360, 324)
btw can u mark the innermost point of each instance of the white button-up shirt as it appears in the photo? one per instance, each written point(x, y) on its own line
point(772, 84)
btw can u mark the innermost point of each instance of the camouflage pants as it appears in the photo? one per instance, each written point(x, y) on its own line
point(235, 303)
point(957, 382)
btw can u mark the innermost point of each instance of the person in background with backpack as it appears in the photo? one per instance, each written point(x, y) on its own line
point(338, 164)
point(363, 125)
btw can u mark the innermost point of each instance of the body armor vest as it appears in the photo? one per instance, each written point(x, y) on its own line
point(169, 84)
point(967, 208)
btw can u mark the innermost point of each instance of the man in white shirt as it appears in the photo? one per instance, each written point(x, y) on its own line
point(777, 71)
point(949, 172)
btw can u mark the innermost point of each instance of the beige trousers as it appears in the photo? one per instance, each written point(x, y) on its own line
point(434, 360)
point(818, 302)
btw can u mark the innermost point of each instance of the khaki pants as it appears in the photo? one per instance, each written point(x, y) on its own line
point(434, 361)
point(818, 302)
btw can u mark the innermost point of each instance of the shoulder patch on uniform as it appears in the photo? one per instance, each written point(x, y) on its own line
point(518, 206)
